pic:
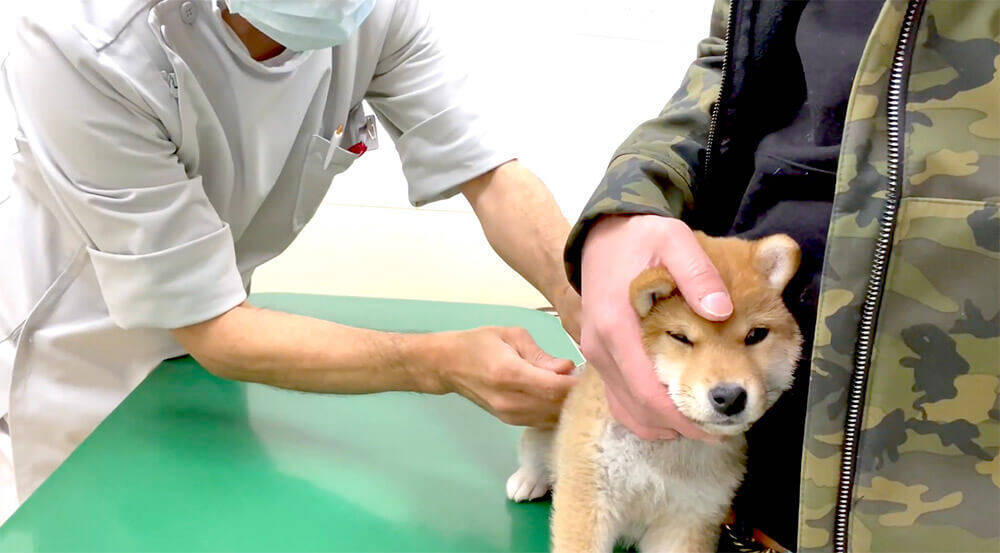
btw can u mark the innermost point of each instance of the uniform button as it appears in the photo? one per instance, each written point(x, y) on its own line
point(189, 12)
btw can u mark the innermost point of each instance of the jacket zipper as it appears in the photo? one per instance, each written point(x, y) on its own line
point(723, 91)
point(876, 279)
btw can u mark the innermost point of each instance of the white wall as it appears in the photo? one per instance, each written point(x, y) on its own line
point(564, 81)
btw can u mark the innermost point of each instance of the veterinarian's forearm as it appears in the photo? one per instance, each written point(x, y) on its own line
point(524, 226)
point(310, 355)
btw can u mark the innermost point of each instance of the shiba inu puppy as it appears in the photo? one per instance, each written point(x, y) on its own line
point(668, 496)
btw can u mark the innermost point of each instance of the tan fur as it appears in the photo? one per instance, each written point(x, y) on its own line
point(670, 495)
point(575, 519)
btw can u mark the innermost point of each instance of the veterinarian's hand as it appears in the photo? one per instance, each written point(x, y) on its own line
point(505, 372)
point(616, 251)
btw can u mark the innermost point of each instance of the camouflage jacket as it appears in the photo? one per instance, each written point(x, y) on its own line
point(903, 420)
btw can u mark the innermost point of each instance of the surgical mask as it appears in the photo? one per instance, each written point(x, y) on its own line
point(305, 24)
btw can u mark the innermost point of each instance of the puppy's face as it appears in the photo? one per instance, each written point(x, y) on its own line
point(723, 376)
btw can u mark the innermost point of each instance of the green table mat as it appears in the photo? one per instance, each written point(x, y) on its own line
point(191, 462)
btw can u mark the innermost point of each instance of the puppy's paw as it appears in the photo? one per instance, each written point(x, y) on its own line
point(526, 484)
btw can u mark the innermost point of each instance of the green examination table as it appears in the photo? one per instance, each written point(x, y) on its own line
point(191, 462)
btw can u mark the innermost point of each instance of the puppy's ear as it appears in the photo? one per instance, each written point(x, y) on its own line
point(651, 286)
point(777, 258)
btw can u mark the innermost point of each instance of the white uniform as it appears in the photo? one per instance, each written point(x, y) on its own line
point(158, 164)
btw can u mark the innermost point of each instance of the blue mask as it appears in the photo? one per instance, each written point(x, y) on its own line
point(305, 24)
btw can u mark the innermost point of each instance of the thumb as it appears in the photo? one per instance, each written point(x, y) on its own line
point(696, 277)
point(526, 347)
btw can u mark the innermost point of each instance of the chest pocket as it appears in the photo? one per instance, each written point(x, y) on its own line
point(320, 167)
point(317, 175)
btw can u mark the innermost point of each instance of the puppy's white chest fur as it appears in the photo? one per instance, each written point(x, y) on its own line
point(641, 483)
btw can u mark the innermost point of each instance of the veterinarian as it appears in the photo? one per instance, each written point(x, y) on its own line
point(168, 148)
point(869, 131)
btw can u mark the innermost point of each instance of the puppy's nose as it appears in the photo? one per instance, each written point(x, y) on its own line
point(728, 399)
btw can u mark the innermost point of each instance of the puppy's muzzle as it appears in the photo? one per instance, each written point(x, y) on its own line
point(728, 399)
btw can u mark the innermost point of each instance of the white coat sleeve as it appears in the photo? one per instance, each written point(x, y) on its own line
point(162, 256)
point(418, 97)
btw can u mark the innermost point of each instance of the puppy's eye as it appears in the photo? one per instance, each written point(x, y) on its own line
point(680, 338)
point(756, 335)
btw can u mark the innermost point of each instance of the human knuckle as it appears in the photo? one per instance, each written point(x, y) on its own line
point(520, 419)
point(551, 394)
point(503, 405)
point(515, 419)
point(675, 225)
point(497, 374)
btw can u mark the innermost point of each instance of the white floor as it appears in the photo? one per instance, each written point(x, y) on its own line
point(565, 82)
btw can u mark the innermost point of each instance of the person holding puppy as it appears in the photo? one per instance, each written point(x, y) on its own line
point(870, 133)
point(166, 149)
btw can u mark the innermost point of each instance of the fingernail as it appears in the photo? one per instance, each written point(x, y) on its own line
point(717, 304)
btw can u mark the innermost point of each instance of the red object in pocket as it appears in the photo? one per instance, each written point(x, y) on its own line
point(358, 148)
